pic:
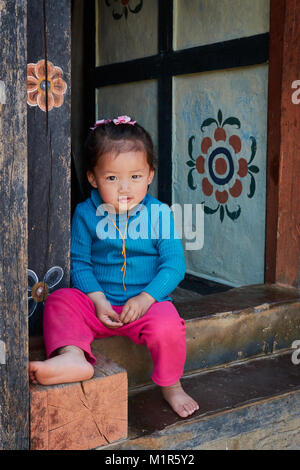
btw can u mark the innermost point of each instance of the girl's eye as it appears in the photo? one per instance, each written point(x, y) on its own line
point(135, 177)
point(111, 178)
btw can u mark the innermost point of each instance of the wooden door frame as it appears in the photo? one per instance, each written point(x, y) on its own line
point(14, 430)
point(49, 147)
point(282, 259)
point(14, 386)
point(28, 36)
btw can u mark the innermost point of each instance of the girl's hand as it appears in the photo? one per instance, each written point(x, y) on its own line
point(109, 318)
point(136, 307)
point(104, 310)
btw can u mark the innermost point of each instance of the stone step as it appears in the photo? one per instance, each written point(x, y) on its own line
point(80, 415)
point(244, 322)
point(250, 405)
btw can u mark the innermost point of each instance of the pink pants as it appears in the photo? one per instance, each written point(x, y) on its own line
point(70, 319)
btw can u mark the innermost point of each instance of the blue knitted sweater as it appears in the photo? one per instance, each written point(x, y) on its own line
point(154, 255)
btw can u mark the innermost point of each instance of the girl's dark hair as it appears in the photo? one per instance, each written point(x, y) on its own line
point(116, 139)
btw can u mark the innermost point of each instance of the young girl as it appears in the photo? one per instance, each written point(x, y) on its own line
point(126, 258)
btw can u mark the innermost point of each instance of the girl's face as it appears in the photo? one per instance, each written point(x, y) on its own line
point(122, 180)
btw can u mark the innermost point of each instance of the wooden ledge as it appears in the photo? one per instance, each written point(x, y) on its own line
point(220, 328)
point(236, 299)
point(192, 305)
point(259, 399)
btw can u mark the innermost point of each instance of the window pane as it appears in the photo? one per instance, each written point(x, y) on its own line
point(137, 100)
point(199, 22)
point(125, 30)
point(219, 158)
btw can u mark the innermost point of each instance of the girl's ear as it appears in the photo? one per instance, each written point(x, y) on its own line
point(91, 178)
point(151, 176)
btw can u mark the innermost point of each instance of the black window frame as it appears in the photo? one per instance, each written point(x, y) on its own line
point(165, 65)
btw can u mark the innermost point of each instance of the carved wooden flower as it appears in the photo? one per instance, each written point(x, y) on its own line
point(45, 84)
point(39, 291)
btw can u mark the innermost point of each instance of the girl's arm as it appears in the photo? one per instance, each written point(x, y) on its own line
point(171, 271)
point(171, 268)
point(82, 273)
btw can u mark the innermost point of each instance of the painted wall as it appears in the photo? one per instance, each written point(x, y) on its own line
point(219, 145)
point(200, 22)
point(126, 30)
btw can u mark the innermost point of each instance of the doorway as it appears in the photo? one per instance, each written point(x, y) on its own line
point(195, 75)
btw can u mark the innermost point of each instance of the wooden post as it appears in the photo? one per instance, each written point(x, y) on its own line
point(283, 197)
point(14, 395)
point(49, 140)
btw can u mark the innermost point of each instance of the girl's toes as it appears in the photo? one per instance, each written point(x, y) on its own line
point(183, 412)
point(195, 406)
point(190, 409)
point(32, 378)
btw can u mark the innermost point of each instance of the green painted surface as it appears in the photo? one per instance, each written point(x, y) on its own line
point(131, 36)
point(200, 22)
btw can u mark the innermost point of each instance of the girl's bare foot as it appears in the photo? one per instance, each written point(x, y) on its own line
point(70, 365)
point(180, 402)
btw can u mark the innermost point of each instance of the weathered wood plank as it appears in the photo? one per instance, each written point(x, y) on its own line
point(14, 426)
point(274, 134)
point(283, 192)
point(288, 242)
point(49, 142)
point(245, 398)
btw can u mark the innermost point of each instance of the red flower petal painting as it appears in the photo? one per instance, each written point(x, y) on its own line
point(222, 166)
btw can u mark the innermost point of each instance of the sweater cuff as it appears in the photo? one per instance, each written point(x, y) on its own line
point(161, 289)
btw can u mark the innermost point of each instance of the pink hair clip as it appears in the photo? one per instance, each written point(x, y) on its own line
point(100, 123)
point(123, 120)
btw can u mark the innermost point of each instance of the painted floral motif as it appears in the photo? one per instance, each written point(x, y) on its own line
point(45, 83)
point(125, 7)
point(39, 291)
point(222, 168)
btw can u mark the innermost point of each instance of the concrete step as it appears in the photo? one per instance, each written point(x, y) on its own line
point(221, 328)
point(250, 405)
